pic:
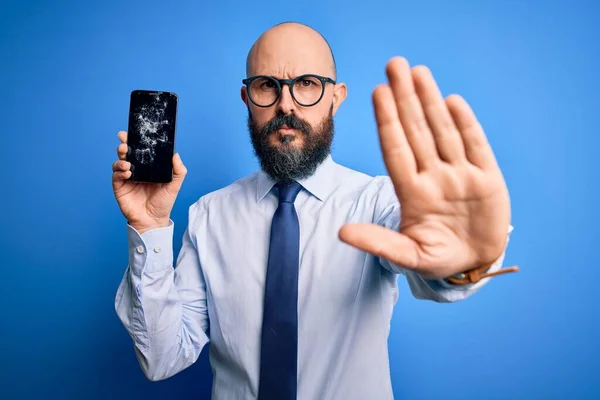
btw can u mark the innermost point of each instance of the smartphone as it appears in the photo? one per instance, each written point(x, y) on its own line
point(151, 135)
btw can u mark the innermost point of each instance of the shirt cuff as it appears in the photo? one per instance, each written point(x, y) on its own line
point(150, 251)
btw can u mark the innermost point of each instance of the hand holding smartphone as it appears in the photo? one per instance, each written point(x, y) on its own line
point(148, 173)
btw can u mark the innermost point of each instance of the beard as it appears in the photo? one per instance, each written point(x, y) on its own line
point(285, 161)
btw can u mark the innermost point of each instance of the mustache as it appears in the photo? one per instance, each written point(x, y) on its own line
point(290, 120)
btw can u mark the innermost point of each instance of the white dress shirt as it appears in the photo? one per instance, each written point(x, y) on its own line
point(345, 296)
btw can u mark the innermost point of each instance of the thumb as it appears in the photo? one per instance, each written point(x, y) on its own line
point(382, 242)
point(179, 170)
point(179, 173)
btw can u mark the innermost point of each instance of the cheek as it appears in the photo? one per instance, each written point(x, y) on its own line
point(261, 116)
point(315, 116)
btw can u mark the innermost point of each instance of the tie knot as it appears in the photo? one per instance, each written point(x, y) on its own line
point(288, 192)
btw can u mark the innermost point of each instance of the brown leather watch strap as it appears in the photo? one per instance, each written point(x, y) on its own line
point(476, 274)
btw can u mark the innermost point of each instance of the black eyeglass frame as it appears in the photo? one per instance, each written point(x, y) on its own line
point(291, 82)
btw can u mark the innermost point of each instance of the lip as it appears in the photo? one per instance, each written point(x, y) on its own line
point(285, 129)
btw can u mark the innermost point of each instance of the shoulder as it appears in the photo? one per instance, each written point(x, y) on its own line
point(364, 183)
point(244, 186)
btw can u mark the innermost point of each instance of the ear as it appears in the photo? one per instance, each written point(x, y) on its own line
point(244, 95)
point(339, 95)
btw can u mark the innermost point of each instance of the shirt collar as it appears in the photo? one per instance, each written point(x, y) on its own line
point(320, 184)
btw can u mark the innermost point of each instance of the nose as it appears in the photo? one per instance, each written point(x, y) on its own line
point(286, 102)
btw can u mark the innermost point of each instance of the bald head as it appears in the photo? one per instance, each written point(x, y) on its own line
point(290, 49)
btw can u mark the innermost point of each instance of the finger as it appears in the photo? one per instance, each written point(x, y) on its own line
point(397, 154)
point(121, 165)
point(122, 151)
point(446, 136)
point(179, 170)
point(477, 149)
point(121, 175)
point(382, 242)
point(122, 136)
point(411, 114)
point(179, 173)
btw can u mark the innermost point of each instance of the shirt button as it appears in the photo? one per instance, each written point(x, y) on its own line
point(157, 249)
point(140, 249)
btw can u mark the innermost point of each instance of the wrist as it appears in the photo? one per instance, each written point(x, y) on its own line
point(475, 275)
point(141, 228)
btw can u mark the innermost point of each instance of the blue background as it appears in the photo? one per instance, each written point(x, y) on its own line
point(529, 69)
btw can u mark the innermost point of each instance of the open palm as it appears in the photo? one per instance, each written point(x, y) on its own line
point(455, 208)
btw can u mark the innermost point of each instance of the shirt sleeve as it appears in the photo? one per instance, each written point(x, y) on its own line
point(387, 214)
point(162, 307)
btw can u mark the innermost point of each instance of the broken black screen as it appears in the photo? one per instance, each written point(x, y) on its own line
point(151, 135)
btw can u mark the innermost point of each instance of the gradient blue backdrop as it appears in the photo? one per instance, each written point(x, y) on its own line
point(529, 69)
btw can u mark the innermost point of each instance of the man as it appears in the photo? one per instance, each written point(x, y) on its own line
point(296, 266)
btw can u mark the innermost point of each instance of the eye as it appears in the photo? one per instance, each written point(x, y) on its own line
point(268, 84)
point(306, 82)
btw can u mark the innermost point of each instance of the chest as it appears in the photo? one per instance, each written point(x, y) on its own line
point(234, 254)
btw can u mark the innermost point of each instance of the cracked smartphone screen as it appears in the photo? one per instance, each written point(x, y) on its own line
point(151, 135)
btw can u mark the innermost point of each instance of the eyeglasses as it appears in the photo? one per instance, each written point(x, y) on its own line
point(306, 90)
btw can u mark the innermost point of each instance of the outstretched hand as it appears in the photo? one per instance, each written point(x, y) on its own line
point(454, 203)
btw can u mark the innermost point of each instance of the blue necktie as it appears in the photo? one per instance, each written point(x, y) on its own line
point(279, 339)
